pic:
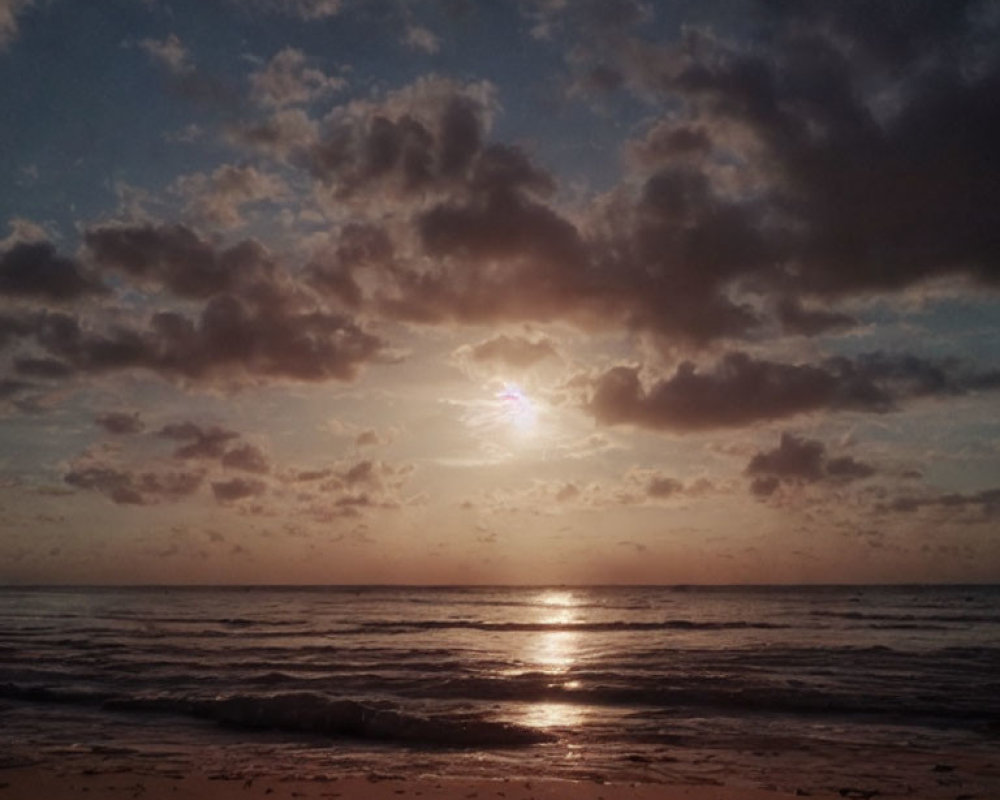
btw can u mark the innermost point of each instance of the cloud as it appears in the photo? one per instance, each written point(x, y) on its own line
point(983, 505)
point(170, 53)
point(288, 80)
point(125, 487)
point(218, 197)
point(120, 422)
point(42, 368)
point(741, 390)
point(511, 351)
point(175, 256)
point(237, 489)
point(9, 12)
point(305, 10)
point(286, 133)
point(34, 270)
point(903, 91)
point(23, 231)
point(795, 318)
point(247, 457)
point(421, 39)
point(798, 460)
point(421, 138)
point(256, 321)
point(202, 443)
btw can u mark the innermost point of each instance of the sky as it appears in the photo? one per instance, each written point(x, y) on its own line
point(525, 291)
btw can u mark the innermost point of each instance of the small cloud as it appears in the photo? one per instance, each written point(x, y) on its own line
point(9, 11)
point(421, 39)
point(237, 489)
point(289, 80)
point(247, 457)
point(367, 438)
point(120, 422)
point(202, 442)
point(169, 53)
point(799, 460)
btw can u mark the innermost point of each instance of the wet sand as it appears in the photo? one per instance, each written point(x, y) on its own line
point(37, 783)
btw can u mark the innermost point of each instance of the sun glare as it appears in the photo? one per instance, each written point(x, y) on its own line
point(518, 410)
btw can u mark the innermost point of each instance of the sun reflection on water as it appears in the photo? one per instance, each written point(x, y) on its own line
point(554, 651)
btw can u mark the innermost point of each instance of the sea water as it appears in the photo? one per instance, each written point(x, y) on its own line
point(819, 686)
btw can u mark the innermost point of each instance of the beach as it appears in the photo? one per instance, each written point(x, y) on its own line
point(31, 784)
point(73, 781)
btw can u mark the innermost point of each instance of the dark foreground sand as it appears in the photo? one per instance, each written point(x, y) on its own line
point(34, 783)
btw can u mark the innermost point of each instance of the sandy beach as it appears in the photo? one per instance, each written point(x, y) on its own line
point(34, 783)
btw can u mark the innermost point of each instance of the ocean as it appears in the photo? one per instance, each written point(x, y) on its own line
point(803, 688)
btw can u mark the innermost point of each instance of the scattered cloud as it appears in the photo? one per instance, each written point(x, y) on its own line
point(217, 198)
point(125, 487)
point(169, 53)
point(799, 460)
point(421, 39)
point(287, 79)
point(237, 489)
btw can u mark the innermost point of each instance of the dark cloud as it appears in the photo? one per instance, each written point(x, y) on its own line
point(177, 258)
point(202, 443)
point(986, 501)
point(878, 129)
point(247, 457)
point(120, 422)
point(662, 487)
point(35, 270)
point(794, 459)
point(125, 487)
point(42, 368)
point(741, 390)
point(358, 246)
point(416, 140)
point(829, 150)
point(10, 387)
point(362, 472)
point(263, 337)
point(799, 460)
point(13, 328)
point(237, 489)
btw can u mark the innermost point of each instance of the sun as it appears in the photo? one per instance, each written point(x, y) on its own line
point(517, 409)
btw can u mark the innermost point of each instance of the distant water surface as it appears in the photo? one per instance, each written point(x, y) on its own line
point(647, 683)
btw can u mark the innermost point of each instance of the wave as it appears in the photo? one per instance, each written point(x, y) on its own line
point(308, 713)
point(405, 626)
point(912, 618)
